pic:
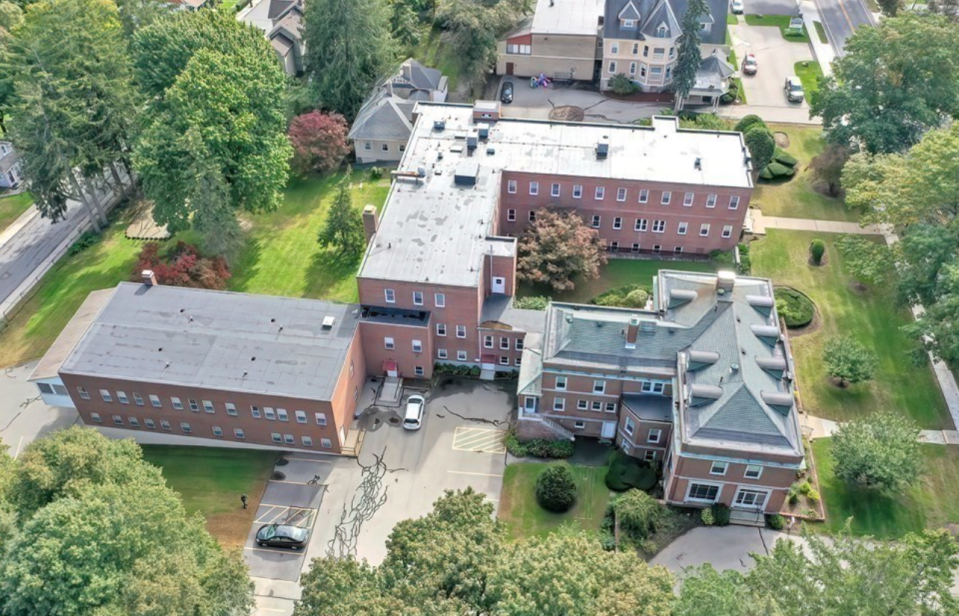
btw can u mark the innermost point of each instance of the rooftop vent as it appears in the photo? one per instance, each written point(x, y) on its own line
point(698, 164)
point(602, 148)
point(466, 174)
point(775, 366)
point(700, 394)
point(678, 297)
point(439, 125)
point(701, 359)
point(767, 333)
point(781, 401)
point(328, 322)
point(490, 151)
point(472, 140)
point(762, 303)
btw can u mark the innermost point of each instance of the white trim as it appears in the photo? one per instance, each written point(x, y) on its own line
point(740, 489)
point(746, 470)
point(725, 468)
point(689, 487)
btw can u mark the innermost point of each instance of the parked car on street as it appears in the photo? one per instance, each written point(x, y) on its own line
point(415, 407)
point(737, 7)
point(750, 65)
point(793, 88)
point(282, 536)
point(506, 95)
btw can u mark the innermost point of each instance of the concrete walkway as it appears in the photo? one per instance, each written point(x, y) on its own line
point(816, 427)
point(823, 51)
point(757, 224)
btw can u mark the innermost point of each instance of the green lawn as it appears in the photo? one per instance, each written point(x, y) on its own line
point(431, 52)
point(932, 503)
point(211, 482)
point(731, 20)
point(796, 197)
point(12, 207)
point(821, 33)
point(778, 21)
point(525, 518)
point(809, 73)
point(617, 273)
point(871, 317)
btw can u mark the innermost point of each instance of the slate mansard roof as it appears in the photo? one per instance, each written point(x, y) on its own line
point(653, 13)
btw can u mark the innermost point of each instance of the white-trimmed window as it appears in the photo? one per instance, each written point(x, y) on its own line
point(83, 392)
point(367, 146)
point(282, 415)
point(600, 193)
point(618, 223)
point(208, 406)
point(554, 190)
point(255, 411)
point(632, 68)
point(531, 216)
point(441, 329)
point(417, 346)
point(727, 230)
point(118, 420)
point(488, 342)
point(702, 492)
point(596, 405)
point(96, 417)
point(231, 409)
point(217, 431)
point(388, 343)
point(753, 471)
point(277, 437)
point(442, 354)
point(559, 404)
point(620, 194)
point(165, 425)
point(155, 401)
point(654, 435)
point(300, 416)
point(122, 397)
point(599, 387)
point(657, 248)
point(614, 47)
point(307, 441)
point(704, 229)
point(320, 419)
point(177, 404)
point(641, 224)
point(439, 300)
point(504, 360)
point(185, 427)
point(582, 405)
point(596, 221)
point(417, 298)
point(734, 202)
point(511, 187)
point(517, 361)
point(711, 201)
point(238, 433)
point(688, 199)
point(635, 48)
point(643, 196)
point(634, 248)
point(269, 413)
point(678, 250)
point(389, 295)
point(577, 191)
point(385, 147)
point(682, 228)
point(561, 383)
point(149, 423)
point(460, 331)
point(579, 425)
point(510, 215)
point(288, 439)
point(718, 468)
point(649, 455)
point(659, 226)
point(461, 356)
point(419, 371)
point(610, 407)
point(504, 343)
point(137, 399)
point(629, 426)
point(612, 67)
point(326, 443)
point(105, 394)
point(667, 196)
point(534, 188)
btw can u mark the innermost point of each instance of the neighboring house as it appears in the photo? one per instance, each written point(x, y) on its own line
point(641, 39)
point(700, 381)
point(282, 22)
point(560, 40)
point(10, 175)
point(385, 121)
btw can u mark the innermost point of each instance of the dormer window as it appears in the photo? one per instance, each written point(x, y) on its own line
point(629, 23)
point(661, 32)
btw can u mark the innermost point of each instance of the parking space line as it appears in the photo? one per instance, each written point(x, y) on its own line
point(472, 439)
point(477, 474)
point(484, 440)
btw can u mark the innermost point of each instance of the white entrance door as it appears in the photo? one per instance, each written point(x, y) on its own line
point(609, 429)
point(529, 404)
point(499, 284)
point(750, 499)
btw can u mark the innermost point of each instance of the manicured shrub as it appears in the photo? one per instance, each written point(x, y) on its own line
point(622, 297)
point(626, 472)
point(707, 517)
point(795, 308)
point(537, 302)
point(538, 447)
point(638, 513)
point(721, 514)
point(623, 85)
point(183, 266)
point(776, 521)
point(777, 170)
point(86, 240)
point(375, 173)
point(761, 145)
point(748, 122)
point(784, 158)
point(637, 298)
point(766, 174)
point(745, 264)
point(722, 257)
point(474, 371)
point(555, 488)
point(817, 249)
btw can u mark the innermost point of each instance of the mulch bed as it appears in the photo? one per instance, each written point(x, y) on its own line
point(782, 139)
point(567, 113)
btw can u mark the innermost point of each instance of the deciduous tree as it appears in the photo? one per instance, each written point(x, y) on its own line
point(690, 56)
point(319, 141)
point(471, 29)
point(343, 227)
point(827, 167)
point(936, 328)
point(558, 247)
point(880, 451)
point(848, 361)
point(761, 146)
point(869, 262)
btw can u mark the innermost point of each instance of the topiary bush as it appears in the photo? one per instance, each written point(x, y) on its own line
point(638, 513)
point(795, 308)
point(748, 122)
point(776, 521)
point(720, 514)
point(707, 517)
point(777, 170)
point(784, 158)
point(556, 488)
point(766, 174)
point(816, 250)
point(626, 472)
point(637, 298)
point(761, 145)
point(618, 297)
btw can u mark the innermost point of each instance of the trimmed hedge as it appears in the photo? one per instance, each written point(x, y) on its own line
point(538, 447)
point(720, 514)
point(628, 296)
point(748, 122)
point(784, 158)
point(796, 309)
point(456, 370)
point(626, 472)
point(817, 249)
point(556, 488)
point(779, 170)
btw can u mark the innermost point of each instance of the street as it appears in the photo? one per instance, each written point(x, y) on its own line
point(841, 18)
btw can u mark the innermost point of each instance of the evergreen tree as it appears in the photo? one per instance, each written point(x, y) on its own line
point(343, 228)
point(690, 56)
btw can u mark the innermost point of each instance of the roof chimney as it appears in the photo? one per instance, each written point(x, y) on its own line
point(149, 278)
point(725, 281)
point(631, 330)
point(602, 148)
point(370, 222)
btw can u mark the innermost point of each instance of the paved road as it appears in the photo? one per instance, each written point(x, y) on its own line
point(841, 18)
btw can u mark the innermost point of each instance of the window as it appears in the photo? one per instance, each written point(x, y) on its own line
point(654, 435)
point(504, 344)
point(559, 404)
point(596, 406)
point(645, 51)
point(300, 416)
point(217, 431)
point(641, 224)
point(155, 401)
point(532, 216)
point(519, 344)
point(185, 427)
point(96, 417)
point(613, 247)
point(614, 48)
point(208, 406)
point(534, 188)
point(620, 194)
point(629, 426)
point(460, 331)
point(702, 492)
point(269, 413)
point(711, 201)
point(610, 407)
point(417, 298)
point(669, 72)
point(618, 223)
point(282, 415)
point(255, 412)
point(385, 147)
point(667, 195)
point(504, 360)
point(649, 455)
point(635, 48)
point(193, 405)
point(704, 229)
point(352, 369)
point(418, 370)
point(441, 329)
point(656, 249)
point(320, 419)
point(734, 202)
point(461, 355)
point(402, 147)
point(612, 68)
point(389, 295)
point(511, 215)
point(417, 346)
point(595, 222)
point(753, 471)
point(488, 342)
point(632, 68)
point(277, 437)
point(577, 191)
point(561, 383)
point(579, 425)
point(45, 388)
point(511, 187)
point(600, 193)
point(688, 199)
point(517, 361)
point(122, 397)
point(177, 404)
point(105, 394)
point(164, 425)
point(118, 420)
point(149, 423)
point(651, 387)
point(599, 387)
point(307, 441)
point(388, 343)
point(656, 73)
point(643, 196)
point(718, 468)
point(582, 404)
point(659, 226)
point(681, 229)
point(554, 190)
point(231, 409)
point(367, 146)
point(441, 354)
point(634, 248)
point(642, 71)
point(439, 299)
point(678, 250)
point(727, 230)
point(519, 50)
point(238, 433)
point(326, 443)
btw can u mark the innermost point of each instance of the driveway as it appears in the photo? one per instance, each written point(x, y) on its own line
point(728, 547)
point(770, 7)
point(23, 415)
point(536, 103)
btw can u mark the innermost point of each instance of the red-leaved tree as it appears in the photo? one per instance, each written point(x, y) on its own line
point(184, 267)
point(319, 141)
point(557, 247)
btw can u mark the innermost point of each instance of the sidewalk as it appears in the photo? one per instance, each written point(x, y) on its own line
point(816, 427)
point(823, 51)
point(758, 224)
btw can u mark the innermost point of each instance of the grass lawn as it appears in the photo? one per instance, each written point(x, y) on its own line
point(932, 503)
point(431, 52)
point(809, 73)
point(781, 22)
point(525, 518)
point(796, 197)
point(617, 273)
point(821, 32)
point(211, 482)
point(731, 20)
point(871, 317)
point(12, 207)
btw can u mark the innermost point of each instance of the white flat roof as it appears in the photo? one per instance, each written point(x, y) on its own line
point(568, 16)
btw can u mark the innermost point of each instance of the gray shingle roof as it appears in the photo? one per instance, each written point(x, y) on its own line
point(383, 117)
point(653, 12)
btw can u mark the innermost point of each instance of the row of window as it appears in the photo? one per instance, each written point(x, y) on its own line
point(654, 436)
point(389, 343)
point(520, 50)
point(439, 301)
point(640, 224)
point(752, 471)
point(385, 147)
point(462, 356)
point(658, 52)
point(649, 454)
point(651, 74)
point(599, 386)
point(559, 404)
point(217, 431)
point(622, 194)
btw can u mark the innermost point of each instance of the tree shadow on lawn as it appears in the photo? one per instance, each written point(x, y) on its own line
point(329, 269)
point(245, 267)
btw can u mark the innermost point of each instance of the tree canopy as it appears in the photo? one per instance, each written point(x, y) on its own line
point(557, 247)
point(848, 360)
point(880, 451)
point(471, 29)
point(690, 55)
point(343, 227)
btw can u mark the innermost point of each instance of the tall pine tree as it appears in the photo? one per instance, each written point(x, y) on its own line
point(343, 228)
point(690, 56)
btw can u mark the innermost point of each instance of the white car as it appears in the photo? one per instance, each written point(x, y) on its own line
point(415, 407)
point(737, 7)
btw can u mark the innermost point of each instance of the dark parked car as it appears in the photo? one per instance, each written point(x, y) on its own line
point(280, 536)
point(506, 96)
point(750, 65)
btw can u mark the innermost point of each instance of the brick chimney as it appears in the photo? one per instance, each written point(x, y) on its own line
point(632, 329)
point(149, 278)
point(370, 222)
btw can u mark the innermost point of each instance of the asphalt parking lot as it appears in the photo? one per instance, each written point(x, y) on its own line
point(777, 58)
